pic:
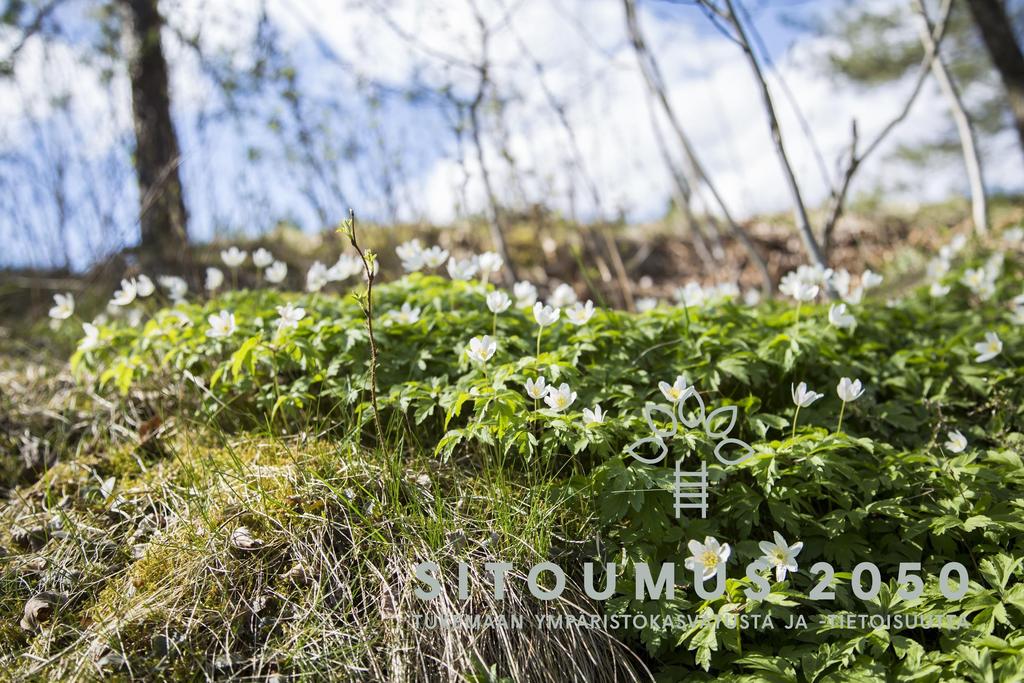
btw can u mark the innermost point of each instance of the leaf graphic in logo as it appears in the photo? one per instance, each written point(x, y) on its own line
point(650, 439)
point(657, 435)
point(696, 421)
point(744, 448)
point(716, 414)
point(652, 408)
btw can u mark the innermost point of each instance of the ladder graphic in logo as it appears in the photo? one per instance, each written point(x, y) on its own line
point(691, 490)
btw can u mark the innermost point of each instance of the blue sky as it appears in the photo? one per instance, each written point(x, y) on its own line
point(242, 176)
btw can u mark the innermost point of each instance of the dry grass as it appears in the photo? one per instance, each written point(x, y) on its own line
point(187, 554)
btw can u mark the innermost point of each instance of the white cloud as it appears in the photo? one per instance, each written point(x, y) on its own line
point(588, 66)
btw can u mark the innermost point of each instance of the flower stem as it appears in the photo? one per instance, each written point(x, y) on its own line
point(842, 410)
point(494, 326)
point(795, 416)
point(539, 333)
point(686, 313)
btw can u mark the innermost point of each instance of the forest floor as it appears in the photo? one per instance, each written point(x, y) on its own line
point(232, 512)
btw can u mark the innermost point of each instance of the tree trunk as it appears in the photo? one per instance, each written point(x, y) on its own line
point(162, 216)
point(964, 128)
point(997, 33)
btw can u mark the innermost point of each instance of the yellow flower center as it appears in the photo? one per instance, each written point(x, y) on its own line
point(709, 559)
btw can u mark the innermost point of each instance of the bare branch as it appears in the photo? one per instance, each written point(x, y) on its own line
point(803, 223)
point(656, 84)
point(483, 85)
point(969, 147)
point(33, 27)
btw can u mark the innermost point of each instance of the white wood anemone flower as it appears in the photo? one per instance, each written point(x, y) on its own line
point(126, 294)
point(536, 389)
point(673, 393)
point(222, 324)
point(91, 339)
point(580, 314)
point(261, 258)
point(561, 398)
point(562, 296)
point(434, 257)
point(411, 255)
point(498, 302)
point(780, 555)
point(63, 306)
point(593, 417)
point(345, 267)
point(647, 303)
point(144, 286)
point(462, 269)
point(525, 293)
point(988, 349)
point(802, 396)
point(849, 390)
point(706, 557)
point(489, 263)
point(176, 287)
point(214, 279)
point(406, 315)
point(481, 349)
point(233, 257)
point(276, 272)
point(955, 442)
point(838, 316)
point(545, 315)
point(290, 315)
point(316, 277)
point(870, 279)
point(795, 284)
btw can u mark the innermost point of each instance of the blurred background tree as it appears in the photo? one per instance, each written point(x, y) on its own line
point(875, 44)
point(131, 126)
point(129, 35)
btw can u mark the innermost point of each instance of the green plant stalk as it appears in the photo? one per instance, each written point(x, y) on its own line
point(686, 313)
point(368, 311)
point(795, 416)
point(539, 333)
point(842, 410)
point(494, 326)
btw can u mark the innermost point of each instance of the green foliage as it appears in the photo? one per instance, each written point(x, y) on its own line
point(883, 490)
